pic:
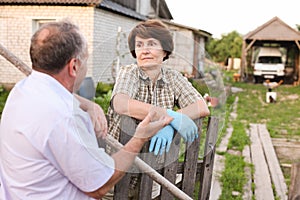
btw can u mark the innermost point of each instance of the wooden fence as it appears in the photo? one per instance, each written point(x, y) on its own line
point(184, 172)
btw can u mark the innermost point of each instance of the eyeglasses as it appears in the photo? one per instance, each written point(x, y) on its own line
point(149, 44)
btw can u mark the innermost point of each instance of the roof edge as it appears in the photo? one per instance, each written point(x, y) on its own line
point(199, 31)
point(259, 28)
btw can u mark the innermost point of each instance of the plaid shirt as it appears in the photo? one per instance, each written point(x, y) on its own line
point(171, 89)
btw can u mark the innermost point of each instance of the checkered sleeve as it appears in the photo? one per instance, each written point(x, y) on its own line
point(126, 81)
point(185, 93)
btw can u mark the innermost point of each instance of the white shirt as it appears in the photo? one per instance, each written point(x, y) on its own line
point(48, 147)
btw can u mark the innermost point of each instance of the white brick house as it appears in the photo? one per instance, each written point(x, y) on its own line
point(104, 23)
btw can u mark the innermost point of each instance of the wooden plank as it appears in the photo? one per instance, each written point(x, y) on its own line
point(209, 155)
point(263, 186)
point(286, 149)
point(122, 188)
point(146, 183)
point(273, 163)
point(294, 192)
point(145, 188)
point(190, 166)
point(171, 164)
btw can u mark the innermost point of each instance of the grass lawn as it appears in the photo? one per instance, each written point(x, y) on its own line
point(281, 118)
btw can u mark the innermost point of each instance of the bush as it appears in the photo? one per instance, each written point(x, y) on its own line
point(103, 95)
point(3, 96)
point(103, 88)
point(200, 86)
point(104, 100)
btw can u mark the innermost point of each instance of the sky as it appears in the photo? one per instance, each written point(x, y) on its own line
point(224, 16)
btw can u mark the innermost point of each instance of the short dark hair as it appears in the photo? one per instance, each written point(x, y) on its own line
point(152, 28)
point(53, 51)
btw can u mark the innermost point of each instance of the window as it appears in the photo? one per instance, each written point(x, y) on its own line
point(37, 23)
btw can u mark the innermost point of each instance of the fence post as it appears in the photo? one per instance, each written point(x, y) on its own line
point(294, 192)
point(208, 161)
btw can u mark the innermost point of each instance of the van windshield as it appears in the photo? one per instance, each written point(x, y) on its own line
point(269, 59)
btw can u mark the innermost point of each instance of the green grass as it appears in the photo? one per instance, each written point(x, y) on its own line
point(239, 137)
point(233, 178)
point(282, 120)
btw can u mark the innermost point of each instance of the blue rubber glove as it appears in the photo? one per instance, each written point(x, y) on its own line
point(162, 140)
point(184, 125)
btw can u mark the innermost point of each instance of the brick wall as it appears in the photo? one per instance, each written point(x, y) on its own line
point(106, 51)
point(99, 26)
point(17, 27)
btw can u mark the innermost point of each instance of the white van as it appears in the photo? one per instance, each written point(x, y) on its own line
point(268, 65)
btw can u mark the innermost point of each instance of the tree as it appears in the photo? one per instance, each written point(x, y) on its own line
point(229, 46)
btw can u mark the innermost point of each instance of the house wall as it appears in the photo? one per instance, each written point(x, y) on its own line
point(105, 31)
point(17, 27)
point(202, 55)
point(110, 44)
point(182, 57)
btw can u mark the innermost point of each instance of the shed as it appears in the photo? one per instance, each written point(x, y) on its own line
point(274, 33)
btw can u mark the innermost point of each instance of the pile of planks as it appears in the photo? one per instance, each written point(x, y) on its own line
point(267, 169)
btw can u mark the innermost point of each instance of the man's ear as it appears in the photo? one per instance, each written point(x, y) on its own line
point(73, 67)
point(165, 54)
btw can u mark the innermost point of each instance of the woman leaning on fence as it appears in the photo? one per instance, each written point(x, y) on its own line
point(149, 84)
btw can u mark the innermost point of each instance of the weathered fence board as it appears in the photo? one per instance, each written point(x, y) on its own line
point(191, 170)
point(294, 192)
point(208, 161)
point(170, 169)
point(189, 173)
